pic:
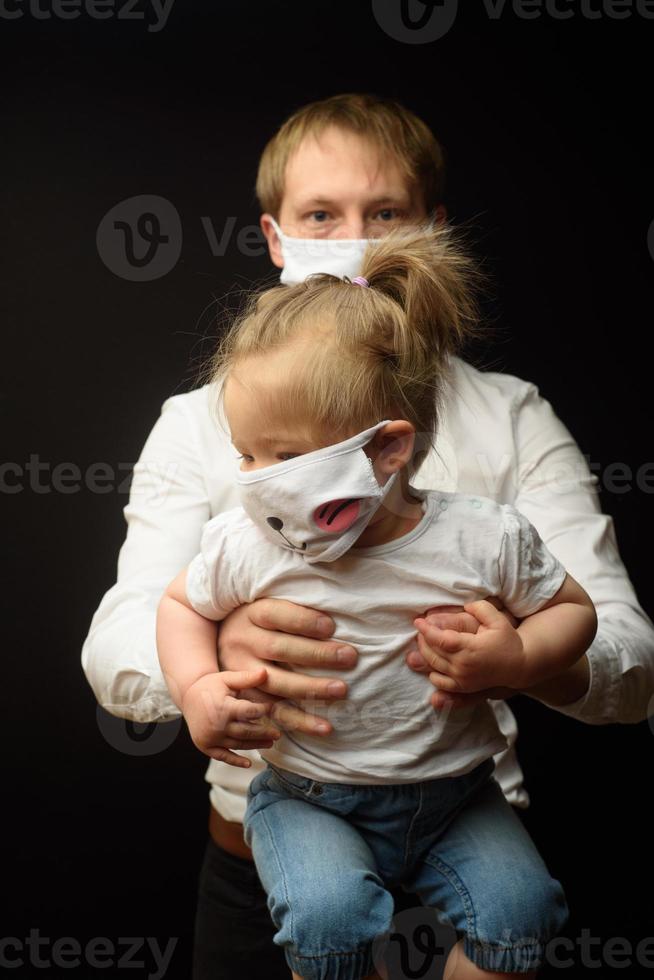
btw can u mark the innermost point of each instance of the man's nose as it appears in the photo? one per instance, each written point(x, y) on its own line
point(354, 226)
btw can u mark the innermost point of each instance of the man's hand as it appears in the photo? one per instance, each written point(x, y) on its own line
point(279, 632)
point(219, 721)
point(464, 691)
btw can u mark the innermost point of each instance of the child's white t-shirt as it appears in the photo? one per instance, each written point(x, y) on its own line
point(386, 730)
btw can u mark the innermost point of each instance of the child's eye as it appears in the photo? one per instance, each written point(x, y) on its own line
point(244, 456)
point(284, 456)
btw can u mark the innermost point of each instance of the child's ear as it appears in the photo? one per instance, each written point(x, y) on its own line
point(395, 441)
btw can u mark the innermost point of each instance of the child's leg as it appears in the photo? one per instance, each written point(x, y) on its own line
point(485, 874)
point(325, 896)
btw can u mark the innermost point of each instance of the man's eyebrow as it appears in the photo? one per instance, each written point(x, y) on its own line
point(325, 202)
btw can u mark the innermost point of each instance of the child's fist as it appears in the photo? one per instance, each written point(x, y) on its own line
point(219, 721)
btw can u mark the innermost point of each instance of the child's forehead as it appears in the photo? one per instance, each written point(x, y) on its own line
point(264, 372)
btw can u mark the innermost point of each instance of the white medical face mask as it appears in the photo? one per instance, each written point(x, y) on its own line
point(304, 256)
point(317, 504)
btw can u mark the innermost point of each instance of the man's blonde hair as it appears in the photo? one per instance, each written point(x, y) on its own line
point(362, 354)
point(390, 128)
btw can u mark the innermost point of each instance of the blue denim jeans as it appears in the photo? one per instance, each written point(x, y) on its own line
point(327, 854)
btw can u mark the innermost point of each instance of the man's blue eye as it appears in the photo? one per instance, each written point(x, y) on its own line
point(320, 215)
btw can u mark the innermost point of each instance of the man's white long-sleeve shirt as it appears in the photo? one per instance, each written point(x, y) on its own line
point(498, 438)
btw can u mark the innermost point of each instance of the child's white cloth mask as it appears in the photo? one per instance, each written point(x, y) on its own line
point(305, 256)
point(319, 503)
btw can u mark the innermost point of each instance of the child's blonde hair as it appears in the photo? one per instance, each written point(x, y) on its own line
point(389, 127)
point(363, 354)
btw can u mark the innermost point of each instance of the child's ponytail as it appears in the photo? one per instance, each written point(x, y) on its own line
point(434, 282)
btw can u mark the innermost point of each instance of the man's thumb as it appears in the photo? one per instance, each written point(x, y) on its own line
point(241, 679)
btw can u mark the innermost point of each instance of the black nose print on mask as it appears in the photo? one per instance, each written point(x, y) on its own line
point(277, 525)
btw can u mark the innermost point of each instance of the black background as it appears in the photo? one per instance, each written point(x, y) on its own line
point(547, 127)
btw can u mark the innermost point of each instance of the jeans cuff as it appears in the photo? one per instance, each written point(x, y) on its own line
point(505, 959)
point(332, 966)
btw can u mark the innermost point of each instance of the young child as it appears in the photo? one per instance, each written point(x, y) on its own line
point(331, 391)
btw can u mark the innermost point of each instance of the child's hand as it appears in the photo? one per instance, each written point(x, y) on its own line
point(218, 721)
point(465, 662)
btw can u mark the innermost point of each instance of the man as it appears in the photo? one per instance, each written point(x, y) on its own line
point(339, 172)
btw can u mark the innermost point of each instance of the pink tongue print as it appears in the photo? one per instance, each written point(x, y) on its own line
point(336, 515)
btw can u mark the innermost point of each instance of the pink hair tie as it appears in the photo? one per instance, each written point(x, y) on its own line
point(360, 281)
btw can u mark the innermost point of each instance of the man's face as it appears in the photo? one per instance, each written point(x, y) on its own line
point(338, 187)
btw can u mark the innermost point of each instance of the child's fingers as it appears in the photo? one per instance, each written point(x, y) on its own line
point(485, 612)
point(444, 683)
point(447, 641)
point(433, 658)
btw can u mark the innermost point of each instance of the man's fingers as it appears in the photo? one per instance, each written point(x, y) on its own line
point(417, 662)
point(240, 679)
point(224, 755)
point(290, 718)
point(279, 614)
point(300, 687)
point(300, 652)
point(441, 700)
point(252, 730)
point(462, 622)
point(240, 710)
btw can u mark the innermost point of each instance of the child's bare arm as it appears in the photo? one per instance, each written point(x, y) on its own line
point(186, 641)
point(555, 637)
point(217, 719)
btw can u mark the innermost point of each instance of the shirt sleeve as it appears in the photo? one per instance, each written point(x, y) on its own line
point(556, 490)
point(529, 573)
point(210, 576)
point(167, 509)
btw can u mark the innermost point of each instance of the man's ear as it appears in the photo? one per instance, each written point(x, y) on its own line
point(274, 245)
